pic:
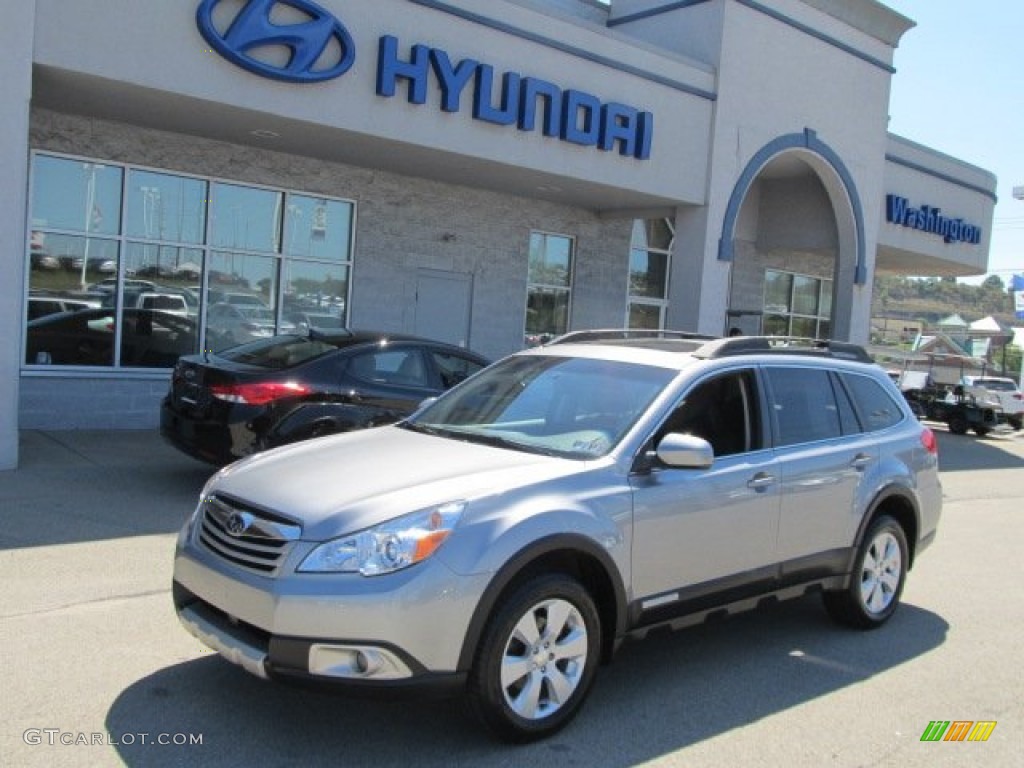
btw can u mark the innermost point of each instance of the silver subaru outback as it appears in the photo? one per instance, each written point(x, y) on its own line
point(505, 539)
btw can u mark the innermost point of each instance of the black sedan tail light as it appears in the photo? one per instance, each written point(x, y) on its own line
point(259, 392)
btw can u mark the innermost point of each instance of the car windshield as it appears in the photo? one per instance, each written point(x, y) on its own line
point(278, 352)
point(576, 408)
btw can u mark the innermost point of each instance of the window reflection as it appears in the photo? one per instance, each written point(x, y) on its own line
point(142, 280)
point(165, 207)
point(244, 218)
point(76, 196)
point(317, 228)
point(315, 294)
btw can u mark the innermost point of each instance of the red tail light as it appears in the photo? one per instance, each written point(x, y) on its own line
point(929, 442)
point(258, 393)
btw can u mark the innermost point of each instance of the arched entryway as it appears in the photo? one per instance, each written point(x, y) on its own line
point(794, 234)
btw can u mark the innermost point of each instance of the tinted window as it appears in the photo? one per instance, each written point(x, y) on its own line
point(876, 408)
point(402, 367)
point(803, 404)
point(278, 352)
point(722, 410)
point(454, 368)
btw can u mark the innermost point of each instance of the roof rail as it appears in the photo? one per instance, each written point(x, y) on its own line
point(610, 334)
point(783, 345)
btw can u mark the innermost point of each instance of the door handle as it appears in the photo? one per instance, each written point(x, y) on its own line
point(861, 460)
point(761, 480)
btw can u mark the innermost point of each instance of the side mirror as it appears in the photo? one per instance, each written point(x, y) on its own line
point(685, 451)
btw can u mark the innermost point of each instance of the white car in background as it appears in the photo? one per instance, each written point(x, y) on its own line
point(998, 390)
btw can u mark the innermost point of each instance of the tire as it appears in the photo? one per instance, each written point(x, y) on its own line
point(958, 424)
point(981, 431)
point(537, 659)
point(1015, 421)
point(877, 580)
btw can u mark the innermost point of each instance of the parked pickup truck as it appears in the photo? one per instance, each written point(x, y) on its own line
point(998, 390)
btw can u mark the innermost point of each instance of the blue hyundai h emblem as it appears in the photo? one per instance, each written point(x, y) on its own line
point(319, 47)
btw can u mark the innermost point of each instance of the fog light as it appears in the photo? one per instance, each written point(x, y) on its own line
point(356, 662)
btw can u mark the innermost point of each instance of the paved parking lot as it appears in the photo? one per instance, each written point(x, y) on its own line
point(97, 671)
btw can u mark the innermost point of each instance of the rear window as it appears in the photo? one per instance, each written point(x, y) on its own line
point(279, 352)
point(996, 385)
point(162, 302)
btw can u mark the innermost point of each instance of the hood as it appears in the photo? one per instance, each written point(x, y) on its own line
point(345, 483)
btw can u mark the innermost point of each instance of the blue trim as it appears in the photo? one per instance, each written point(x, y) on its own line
point(807, 140)
point(755, 6)
point(942, 177)
point(557, 45)
point(654, 12)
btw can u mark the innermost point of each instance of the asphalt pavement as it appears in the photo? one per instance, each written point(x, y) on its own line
point(96, 670)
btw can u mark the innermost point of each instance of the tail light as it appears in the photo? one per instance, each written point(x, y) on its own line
point(258, 393)
point(929, 442)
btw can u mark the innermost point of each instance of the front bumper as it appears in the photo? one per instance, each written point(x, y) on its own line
point(400, 631)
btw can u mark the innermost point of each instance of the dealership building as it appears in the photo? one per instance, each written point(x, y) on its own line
point(485, 172)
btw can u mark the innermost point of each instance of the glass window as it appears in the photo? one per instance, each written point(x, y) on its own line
point(649, 259)
point(646, 316)
point(876, 408)
point(796, 305)
point(245, 218)
point(75, 195)
point(165, 207)
point(778, 286)
point(397, 367)
point(159, 260)
point(804, 405)
point(453, 368)
point(723, 411)
point(315, 293)
point(550, 286)
point(648, 274)
point(317, 228)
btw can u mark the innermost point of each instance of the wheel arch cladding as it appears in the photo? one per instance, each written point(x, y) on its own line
point(575, 556)
point(899, 505)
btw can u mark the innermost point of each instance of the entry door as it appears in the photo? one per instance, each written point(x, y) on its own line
point(443, 302)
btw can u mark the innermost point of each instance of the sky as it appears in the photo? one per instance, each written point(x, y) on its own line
point(959, 89)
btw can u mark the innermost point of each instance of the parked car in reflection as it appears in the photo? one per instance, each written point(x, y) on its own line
point(149, 338)
point(231, 324)
point(40, 306)
point(226, 405)
point(304, 320)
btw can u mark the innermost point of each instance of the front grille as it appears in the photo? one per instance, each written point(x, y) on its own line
point(245, 536)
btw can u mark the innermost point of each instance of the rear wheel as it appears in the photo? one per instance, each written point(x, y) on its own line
point(1015, 421)
point(957, 424)
point(537, 659)
point(878, 577)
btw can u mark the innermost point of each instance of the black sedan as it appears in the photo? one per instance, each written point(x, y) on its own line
point(279, 390)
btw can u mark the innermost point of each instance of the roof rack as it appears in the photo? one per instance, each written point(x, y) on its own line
point(611, 334)
point(783, 345)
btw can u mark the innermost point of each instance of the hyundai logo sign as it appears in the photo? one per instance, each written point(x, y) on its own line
point(316, 45)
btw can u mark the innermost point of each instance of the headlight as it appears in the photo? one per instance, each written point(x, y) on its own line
point(390, 546)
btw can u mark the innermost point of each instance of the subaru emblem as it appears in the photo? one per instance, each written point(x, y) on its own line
point(238, 523)
point(319, 47)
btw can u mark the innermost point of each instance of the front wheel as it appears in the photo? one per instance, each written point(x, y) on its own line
point(537, 659)
point(878, 577)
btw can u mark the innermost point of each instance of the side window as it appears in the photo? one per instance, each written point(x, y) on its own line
point(453, 368)
point(804, 405)
point(875, 406)
point(400, 367)
point(722, 410)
